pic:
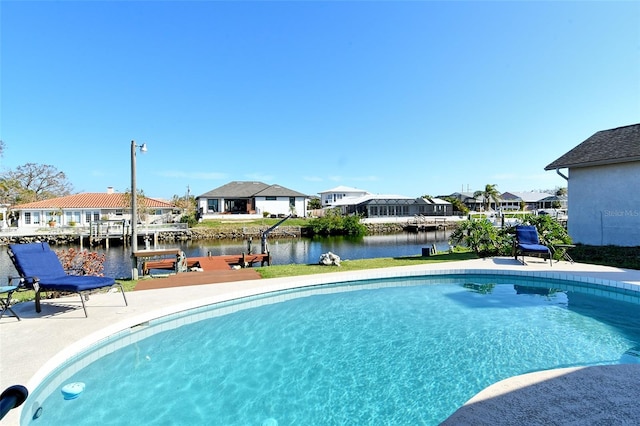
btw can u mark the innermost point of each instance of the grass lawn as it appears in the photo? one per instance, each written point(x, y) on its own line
point(276, 271)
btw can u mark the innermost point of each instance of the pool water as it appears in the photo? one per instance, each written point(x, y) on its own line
point(401, 352)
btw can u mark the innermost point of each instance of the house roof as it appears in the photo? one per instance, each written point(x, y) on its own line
point(435, 200)
point(619, 145)
point(279, 191)
point(90, 200)
point(342, 188)
point(465, 196)
point(528, 197)
point(371, 199)
point(248, 189)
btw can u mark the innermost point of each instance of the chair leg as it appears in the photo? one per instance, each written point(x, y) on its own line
point(83, 305)
point(6, 306)
point(37, 302)
point(123, 296)
point(85, 296)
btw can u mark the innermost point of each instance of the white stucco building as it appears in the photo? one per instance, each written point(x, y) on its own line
point(604, 187)
point(335, 196)
point(84, 208)
point(244, 199)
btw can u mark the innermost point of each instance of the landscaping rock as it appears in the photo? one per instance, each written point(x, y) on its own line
point(329, 259)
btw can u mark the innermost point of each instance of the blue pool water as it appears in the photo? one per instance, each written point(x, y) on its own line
point(404, 351)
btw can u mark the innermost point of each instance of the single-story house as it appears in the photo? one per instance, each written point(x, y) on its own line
point(84, 208)
point(513, 200)
point(554, 202)
point(377, 206)
point(474, 204)
point(249, 200)
point(603, 181)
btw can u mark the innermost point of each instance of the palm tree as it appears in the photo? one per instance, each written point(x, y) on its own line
point(561, 191)
point(489, 194)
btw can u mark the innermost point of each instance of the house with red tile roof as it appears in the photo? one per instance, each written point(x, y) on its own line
point(84, 208)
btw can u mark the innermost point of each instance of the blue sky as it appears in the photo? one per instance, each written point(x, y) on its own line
point(406, 98)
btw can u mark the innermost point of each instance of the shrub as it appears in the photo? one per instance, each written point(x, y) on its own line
point(486, 240)
point(481, 237)
point(82, 262)
point(334, 223)
point(189, 219)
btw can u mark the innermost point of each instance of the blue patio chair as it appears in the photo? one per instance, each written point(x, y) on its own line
point(5, 300)
point(527, 242)
point(41, 270)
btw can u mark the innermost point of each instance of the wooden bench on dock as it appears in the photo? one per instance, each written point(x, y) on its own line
point(208, 263)
point(152, 256)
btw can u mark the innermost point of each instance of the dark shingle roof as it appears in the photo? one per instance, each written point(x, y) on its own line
point(241, 189)
point(279, 191)
point(612, 146)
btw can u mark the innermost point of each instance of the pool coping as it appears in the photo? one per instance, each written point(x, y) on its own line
point(148, 305)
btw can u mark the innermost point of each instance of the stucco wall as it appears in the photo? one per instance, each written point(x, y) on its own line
point(604, 205)
point(280, 205)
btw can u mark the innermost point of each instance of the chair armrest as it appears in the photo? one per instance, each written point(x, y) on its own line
point(11, 279)
point(23, 284)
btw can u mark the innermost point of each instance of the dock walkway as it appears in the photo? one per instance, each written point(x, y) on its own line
point(197, 278)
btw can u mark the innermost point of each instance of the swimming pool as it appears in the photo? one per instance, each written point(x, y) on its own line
point(401, 351)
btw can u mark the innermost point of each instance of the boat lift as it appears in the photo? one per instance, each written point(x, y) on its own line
point(265, 234)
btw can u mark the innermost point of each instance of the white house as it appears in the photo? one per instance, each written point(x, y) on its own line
point(249, 200)
point(84, 208)
point(334, 196)
point(604, 187)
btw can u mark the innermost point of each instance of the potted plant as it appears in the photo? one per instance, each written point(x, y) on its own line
point(52, 217)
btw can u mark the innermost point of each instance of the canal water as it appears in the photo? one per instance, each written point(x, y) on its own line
point(283, 251)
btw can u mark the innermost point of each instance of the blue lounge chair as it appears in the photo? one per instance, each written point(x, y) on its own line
point(528, 242)
point(41, 270)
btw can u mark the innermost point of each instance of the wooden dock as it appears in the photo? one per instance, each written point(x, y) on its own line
point(208, 263)
point(200, 270)
point(197, 278)
point(425, 223)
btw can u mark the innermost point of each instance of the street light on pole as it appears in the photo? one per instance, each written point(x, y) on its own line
point(134, 209)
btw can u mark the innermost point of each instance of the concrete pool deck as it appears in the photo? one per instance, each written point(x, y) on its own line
point(33, 347)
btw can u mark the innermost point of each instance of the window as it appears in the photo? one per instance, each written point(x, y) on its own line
point(27, 218)
point(212, 206)
point(271, 198)
point(87, 217)
point(292, 201)
point(118, 212)
point(72, 217)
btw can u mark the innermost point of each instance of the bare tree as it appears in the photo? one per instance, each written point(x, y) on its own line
point(142, 209)
point(186, 203)
point(33, 182)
